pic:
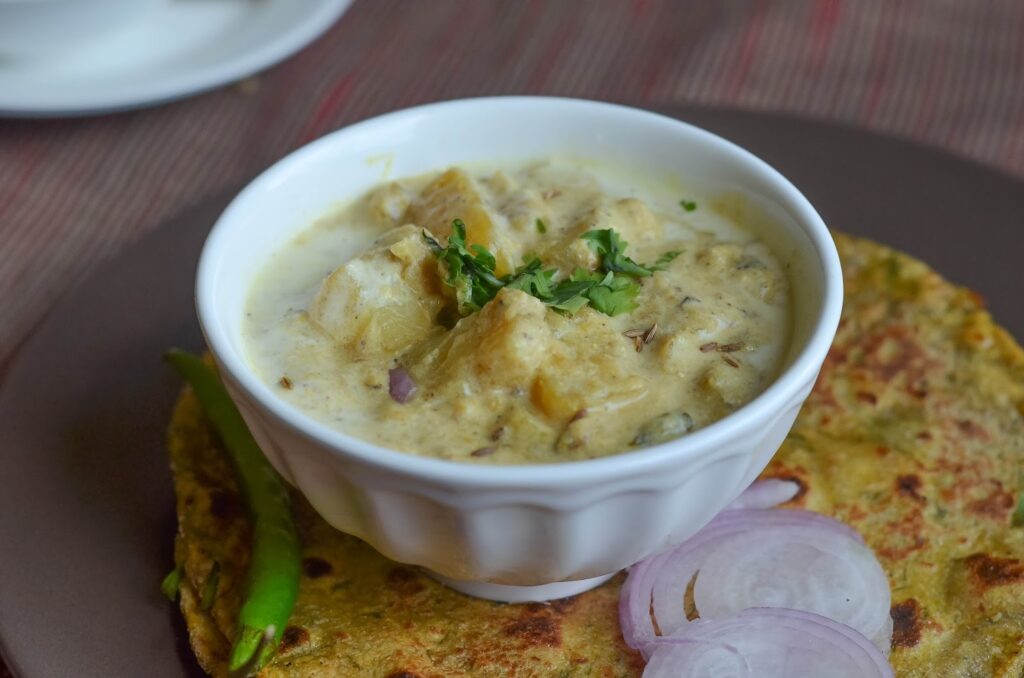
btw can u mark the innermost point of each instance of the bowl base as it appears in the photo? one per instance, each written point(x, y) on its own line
point(521, 594)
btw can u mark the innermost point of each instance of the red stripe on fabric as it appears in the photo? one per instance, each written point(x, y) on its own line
point(639, 7)
point(328, 108)
point(748, 48)
point(1014, 146)
point(522, 33)
point(549, 58)
point(927, 105)
point(32, 153)
point(879, 80)
point(667, 46)
point(823, 27)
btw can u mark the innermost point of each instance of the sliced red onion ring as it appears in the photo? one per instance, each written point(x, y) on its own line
point(691, 657)
point(763, 494)
point(400, 385)
point(767, 643)
point(756, 558)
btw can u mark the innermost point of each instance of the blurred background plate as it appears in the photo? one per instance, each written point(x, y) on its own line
point(180, 48)
point(87, 510)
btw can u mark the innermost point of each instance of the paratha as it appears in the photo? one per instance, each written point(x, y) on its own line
point(914, 435)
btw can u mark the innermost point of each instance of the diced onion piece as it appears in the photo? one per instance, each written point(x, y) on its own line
point(763, 494)
point(754, 558)
point(767, 643)
point(400, 385)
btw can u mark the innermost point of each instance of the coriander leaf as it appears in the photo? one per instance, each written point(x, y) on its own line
point(688, 205)
point(610, 249)
point(532, 279)
point(542, 228)
point(172, 583)
point(569, 295)
point(483, 257)
point(614, 295)
point(470, 271)
point(665, 259)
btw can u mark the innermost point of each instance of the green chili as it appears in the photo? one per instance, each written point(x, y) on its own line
point(272, 582)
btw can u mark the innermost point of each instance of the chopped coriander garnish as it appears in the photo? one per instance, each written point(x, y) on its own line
point(688, 205)
point(611, 249)
point(171, 583)
point(611, 289)
point(542, 228)
point(470, 270)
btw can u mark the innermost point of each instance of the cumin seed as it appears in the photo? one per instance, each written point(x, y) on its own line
point(483, 451)
point(285, 382)
point(730, 348)
point(497, 433)
point(651, 332)
point(709, 347)
point(731, 362)
point(632, 334)
point(638, 343)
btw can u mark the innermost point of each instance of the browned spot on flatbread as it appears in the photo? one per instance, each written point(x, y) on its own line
point(918, 389)
point(972, 429)
point(997, 505)
point(293, 637)
point(908, 485)
point(988, 571)
point(535, 629)
point(906, 623)
point(314, 567)
point(403, 674)
point(894, 350)
point(822, 393)
point(866, 397)
point(404, 581)
point(902, 537)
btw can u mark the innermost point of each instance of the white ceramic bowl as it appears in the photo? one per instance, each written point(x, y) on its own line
point(515, 532)
point(38, 28)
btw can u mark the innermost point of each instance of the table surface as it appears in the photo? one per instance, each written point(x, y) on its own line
point(949, 73)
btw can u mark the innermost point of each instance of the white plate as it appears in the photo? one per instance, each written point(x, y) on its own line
point(180, 48)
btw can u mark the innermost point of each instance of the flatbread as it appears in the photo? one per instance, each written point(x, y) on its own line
point(359, 614)
point(914, 435)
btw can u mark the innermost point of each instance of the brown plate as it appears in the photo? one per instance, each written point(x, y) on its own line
point(86, 508)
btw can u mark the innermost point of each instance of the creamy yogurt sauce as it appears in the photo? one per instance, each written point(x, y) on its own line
point(355, 315)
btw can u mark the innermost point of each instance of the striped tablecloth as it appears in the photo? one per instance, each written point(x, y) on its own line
point(72, 193)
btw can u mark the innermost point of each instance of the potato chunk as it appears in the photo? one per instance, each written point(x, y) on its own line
point(455, 195)
point(629, 217)
point(591, 372)
point(498, 348)
point(384, 300)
